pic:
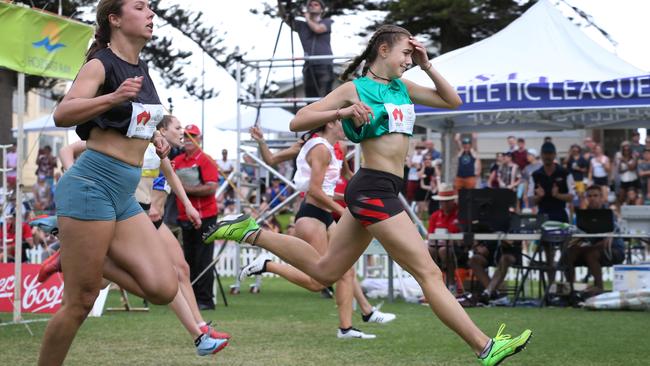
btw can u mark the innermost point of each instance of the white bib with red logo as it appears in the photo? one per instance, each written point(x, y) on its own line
point(144, 119)
point(401, 118)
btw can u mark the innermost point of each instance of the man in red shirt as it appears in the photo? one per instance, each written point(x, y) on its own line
point(199, 174)
point(445, 220)
point(520, 154)
point(11, 238)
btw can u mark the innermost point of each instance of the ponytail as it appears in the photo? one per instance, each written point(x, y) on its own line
point(103, 27)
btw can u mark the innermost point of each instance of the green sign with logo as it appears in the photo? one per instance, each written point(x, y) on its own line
point(39, 43)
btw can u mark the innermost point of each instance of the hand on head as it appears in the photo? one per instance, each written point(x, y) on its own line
point(420, 56)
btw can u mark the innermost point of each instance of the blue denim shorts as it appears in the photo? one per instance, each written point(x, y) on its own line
point(98, 188)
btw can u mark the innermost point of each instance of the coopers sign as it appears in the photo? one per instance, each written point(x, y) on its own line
point(36, 297)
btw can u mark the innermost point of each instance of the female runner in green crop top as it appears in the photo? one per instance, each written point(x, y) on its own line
point(378, 112)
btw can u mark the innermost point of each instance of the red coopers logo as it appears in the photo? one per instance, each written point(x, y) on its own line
point(398, 115)
point(143, 117)
point(36, 297)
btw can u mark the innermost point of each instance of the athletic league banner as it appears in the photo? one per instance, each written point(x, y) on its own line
point(39, 43)
point(542, 94)
point(36, 297)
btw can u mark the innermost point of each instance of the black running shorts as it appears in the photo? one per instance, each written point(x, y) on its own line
point(371, 196)
point(315, 212)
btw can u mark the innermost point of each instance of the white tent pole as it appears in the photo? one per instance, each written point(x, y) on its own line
point(446, 139)
point(5, 197)
point(237, 169)
point(19, 200)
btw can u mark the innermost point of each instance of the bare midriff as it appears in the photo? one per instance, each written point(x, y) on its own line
point(118, 146)
point(386, 153)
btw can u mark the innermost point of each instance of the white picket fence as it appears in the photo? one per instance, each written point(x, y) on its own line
point(226, 264)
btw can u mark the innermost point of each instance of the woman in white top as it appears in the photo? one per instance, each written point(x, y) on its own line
point(317, 173)
point(599, 168)
point(626, 166)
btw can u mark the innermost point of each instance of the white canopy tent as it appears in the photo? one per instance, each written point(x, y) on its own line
point(41, 124)
point(271, 120)
point(539, 73)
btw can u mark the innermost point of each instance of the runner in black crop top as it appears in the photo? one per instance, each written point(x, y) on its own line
point(119, 117)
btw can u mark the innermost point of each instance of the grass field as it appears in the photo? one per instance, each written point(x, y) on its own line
point(285, 325)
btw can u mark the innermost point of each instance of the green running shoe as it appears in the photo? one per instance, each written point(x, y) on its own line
point(504, 346)
point(231, 227)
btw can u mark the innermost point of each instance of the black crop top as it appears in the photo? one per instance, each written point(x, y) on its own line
point(137, 118)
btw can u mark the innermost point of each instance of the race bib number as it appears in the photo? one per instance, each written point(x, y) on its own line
point(144, 119)
point(401, 118)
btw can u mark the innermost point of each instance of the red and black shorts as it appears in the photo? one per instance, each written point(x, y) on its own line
point(371, 196)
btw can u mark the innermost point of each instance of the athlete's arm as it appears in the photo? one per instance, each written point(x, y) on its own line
point(282, 155)
point(177, 187)
point(68, 153)
point(319, 158)
point(346, 171)
point(443, 96)
point(342, 102)
point(81, 103)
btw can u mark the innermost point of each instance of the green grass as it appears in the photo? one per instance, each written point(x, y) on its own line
point(285, 325)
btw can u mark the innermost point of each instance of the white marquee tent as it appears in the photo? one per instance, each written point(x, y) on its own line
point(271, 120)
point(541, 72)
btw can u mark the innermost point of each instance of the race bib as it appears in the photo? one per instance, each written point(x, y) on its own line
point(401, 118)
point(144, 119)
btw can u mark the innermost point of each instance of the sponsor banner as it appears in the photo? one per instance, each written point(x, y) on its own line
point(40, 43)
point(542, 94)
point(36, 297)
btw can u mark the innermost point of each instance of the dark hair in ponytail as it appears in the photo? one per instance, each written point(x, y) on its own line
point(389, 34)
point(165, 121)
point(309, 134)
point(103, 27)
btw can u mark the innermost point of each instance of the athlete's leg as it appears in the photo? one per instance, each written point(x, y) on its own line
point(136, 249)
point(344, 295)
point(182, 268)
point(84, 245)
point(347, 243)
point(294, 275)
point(402, 241)
point(315, 233)
point(179, 304)
point(363, 302)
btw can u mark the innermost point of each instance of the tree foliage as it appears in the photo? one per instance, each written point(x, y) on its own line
point(160, 53)
point(447, 24)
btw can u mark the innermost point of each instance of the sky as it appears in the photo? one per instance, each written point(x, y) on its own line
point(624, 20)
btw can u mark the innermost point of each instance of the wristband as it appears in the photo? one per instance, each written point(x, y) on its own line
point(338, 113)
point(427, 67)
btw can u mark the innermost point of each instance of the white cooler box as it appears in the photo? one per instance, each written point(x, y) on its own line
point(631, 277)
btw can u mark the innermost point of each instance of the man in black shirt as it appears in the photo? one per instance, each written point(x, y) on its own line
point(314, 33)
point(552, 187)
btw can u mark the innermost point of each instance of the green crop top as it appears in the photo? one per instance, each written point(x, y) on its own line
point(391, 104)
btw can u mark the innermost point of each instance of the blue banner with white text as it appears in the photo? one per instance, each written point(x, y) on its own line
point(626, 92)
